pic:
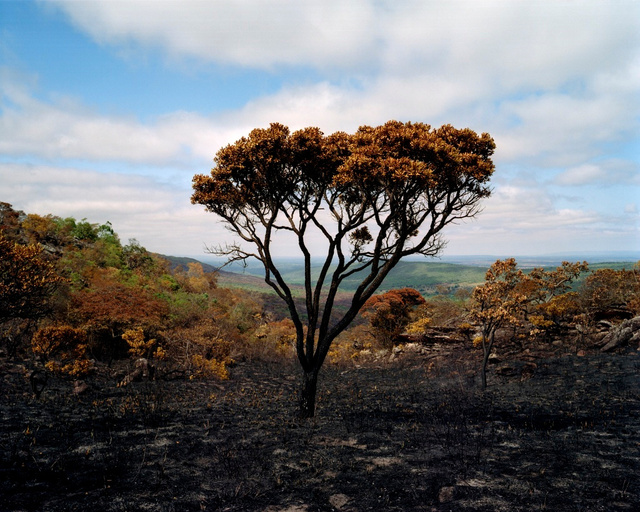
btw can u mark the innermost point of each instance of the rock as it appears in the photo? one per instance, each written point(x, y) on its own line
point(146, 368)
point(604, 325)
point(79, 387)
point(493, 358)
point(506, 370)
point(143, 370)
point(446, 494)
point(625, 333)
point(338, 501)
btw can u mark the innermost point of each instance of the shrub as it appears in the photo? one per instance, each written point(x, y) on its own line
point(138, 347)
point(352, 346)
point(63, 349)
point(208, 368)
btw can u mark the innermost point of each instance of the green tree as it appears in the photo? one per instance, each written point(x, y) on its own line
point(367, 200)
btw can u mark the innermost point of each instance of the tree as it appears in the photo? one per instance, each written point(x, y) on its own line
point(496, 303)
point(609, 290)
point(367, 200)
point(389, 313)
point(552, 300)
point(508, 292)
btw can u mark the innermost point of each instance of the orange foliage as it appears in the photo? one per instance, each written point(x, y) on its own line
point(27, 281)
point(389, 313)
point(607, 288)
point(63, 348)
point(109, 304)
point(138, 347)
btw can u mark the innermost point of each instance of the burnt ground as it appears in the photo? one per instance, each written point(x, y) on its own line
point(552, 432)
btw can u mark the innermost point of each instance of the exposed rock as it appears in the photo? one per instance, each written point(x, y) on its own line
point(494, 358)
point(338, 501)
point(628, 332)
point(143, 370)
point(506, 370)
point(604, 325)
point(79, 387)
point(446, 494)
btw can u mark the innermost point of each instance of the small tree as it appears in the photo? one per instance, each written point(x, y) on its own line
point(607, 289)
point(496, 303)
point(365, 201)
point(389, 313)
point(508, 293)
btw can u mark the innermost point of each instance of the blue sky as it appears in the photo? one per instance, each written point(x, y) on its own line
point(108, 108)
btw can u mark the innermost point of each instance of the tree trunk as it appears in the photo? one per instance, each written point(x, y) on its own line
point(308, 394)
point(486, 346)
point(483, 372)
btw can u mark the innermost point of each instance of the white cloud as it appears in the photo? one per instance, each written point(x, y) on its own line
point(161, 217)
point(249, 33)
point(523, 220)
point(564, 129)
point(519, 39)
point(554, 82)
point(581, 175)
point(604, 173)
point(71, 131)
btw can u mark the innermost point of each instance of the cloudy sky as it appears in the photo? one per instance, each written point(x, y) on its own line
point(108, 108)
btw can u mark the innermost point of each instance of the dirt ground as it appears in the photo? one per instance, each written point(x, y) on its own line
point(552, 432)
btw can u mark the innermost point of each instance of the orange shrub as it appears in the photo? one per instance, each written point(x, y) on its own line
point(63, 349)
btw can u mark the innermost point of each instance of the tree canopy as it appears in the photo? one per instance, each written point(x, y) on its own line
point(372, 197)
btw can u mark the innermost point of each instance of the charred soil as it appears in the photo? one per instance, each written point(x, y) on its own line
point(552, 432)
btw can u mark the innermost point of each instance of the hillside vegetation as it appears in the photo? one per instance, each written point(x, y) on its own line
point(74, 296)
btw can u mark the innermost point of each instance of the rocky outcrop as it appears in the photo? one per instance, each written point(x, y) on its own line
point(143, 370)
point(627, 333)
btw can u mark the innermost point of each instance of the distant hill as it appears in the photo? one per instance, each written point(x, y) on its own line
point(422, 275)
point(183, 262)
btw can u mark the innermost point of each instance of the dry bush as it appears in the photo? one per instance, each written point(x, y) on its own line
point(352, 346)
point(138, 347)
point(607, 289)
point(445, 312)
point(390, 312)
point(271, 341)
point(63, 350)
point(200, 349)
